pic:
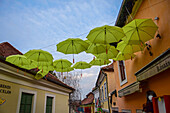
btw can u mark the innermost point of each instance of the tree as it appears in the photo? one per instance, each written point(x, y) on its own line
point(73, 80)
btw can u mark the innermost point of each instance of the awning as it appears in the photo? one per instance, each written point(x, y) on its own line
point(158, 65)
point(129, 89)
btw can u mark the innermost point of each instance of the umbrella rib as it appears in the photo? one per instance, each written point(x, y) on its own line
point(113, 35)
point(45, 56)
point(67, 48)
point(82, 45)
point(131, 29)
point(146, 33)
point(116, 31)
point(97, 35)
point(142, 22)
point(61, 45)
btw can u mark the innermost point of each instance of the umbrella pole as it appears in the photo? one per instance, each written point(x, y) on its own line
point(73, 58)
point(81, 72)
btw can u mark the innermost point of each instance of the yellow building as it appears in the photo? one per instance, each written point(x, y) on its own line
point(105, 86)
point(21, 93)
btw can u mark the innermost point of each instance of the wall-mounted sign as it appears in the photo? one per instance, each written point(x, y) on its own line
point(2, 101)
point(159, 64)
point(5, 89)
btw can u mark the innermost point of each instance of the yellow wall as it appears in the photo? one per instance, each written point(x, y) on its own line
point(103, 104)
point(159, 83)
point(61, 101)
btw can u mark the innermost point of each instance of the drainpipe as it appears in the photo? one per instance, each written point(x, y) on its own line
point(107, 91)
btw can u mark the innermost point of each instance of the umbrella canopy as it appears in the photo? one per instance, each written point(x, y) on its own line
point(72, 46)
point(105, 34)
point(62, 63)
point(97, 48)
point(129, 48)
point(100, 62)
point(68, 69)
point(139, 31)
point(124, 56)
point(45, 66)
point(39, 55)
point(81, 65)
point(112, 53)
point(21, 61)
point(40, 74)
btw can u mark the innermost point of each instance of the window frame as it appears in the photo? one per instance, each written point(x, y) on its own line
point(53, 102)
point(102, 93)
point(120, 76)
point(34, 98)
point(105, 90)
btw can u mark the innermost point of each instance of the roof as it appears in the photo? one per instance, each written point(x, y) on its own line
point(89, 99)
point(123, 14)
point(6, 49)
point(106, 68)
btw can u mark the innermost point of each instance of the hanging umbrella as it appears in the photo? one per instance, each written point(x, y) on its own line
point(68, 69)
point(40, 74)
point(124, 56)
point(139, 31)
point(72, 46)
point(99, 62)
point(105, 34)
point(112, 53)
point(62, 63)
point(129, 48)
point(81, 65)
point(21, 61)
point(97, 48)
point(39, 55)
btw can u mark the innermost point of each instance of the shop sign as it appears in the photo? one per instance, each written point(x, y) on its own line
point(129, 89)
point(5, 89)
point(156, 66)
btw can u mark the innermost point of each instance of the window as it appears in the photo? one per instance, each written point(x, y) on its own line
point(49, 104)
point(122, 72)
point(26, 103)
point(105, 89)
point(102, 93)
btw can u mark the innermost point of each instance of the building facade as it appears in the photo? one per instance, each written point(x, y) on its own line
point(20, 92)
point(147, 75)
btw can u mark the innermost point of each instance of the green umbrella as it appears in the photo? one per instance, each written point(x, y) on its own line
point(112, 53)
point(40, 74)
point(105, 34)
point(39, 55)
point(68, 69)
point(21, 61)
point(72, 46)
point(139, 31)
point(62, 63)
point(81, 65)
point(129, 48)
point(124, 56)
point(99, 62)
point(45, 66)
point(97, 48)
